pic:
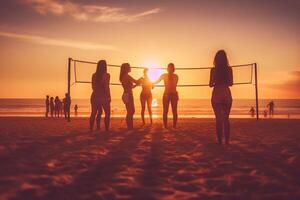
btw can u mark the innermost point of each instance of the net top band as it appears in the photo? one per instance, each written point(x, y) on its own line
point(160, 68)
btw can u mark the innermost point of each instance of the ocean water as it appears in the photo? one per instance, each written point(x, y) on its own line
point(199, 108)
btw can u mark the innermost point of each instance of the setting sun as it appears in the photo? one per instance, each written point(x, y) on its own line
point(154, 74)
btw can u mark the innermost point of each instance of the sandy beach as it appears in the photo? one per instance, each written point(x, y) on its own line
point(53, 159)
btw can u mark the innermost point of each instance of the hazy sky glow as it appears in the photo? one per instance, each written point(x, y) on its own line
point(37, 37)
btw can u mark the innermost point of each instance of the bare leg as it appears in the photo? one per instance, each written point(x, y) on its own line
point(166, 101)
point(143, 102)
point(68, 113)
point(174, 102)
point(219, 121)
point(65, 112)
point(106, 108)
point(129, 119)
point(130, 112)
point(227, 108)
point(149, 106)
point(98, 118)
point(127, 116)
point(93, 115)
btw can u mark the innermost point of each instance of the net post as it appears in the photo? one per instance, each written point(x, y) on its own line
point(69, 85)
point(256, 91)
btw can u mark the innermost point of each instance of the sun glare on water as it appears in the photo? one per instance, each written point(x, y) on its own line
point(154, 103)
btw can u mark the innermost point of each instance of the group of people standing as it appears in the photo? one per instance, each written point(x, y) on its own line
point(100, 98)
point(57, 107)
point(220, 79)
point(268, 110)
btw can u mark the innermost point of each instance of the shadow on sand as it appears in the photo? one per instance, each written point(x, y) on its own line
point(148, 163)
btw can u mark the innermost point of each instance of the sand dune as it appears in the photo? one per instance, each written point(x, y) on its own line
point(53, 159)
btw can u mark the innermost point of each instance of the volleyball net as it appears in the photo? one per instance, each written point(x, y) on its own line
point(82, 72)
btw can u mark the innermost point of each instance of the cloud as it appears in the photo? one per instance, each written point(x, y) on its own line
point(293, 83)
point(95, 13)
point(288, 88)
point(57, 42)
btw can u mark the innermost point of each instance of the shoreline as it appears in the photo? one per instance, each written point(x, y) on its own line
point(261, 117)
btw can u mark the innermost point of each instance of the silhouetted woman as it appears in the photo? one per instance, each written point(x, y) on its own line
point(221, 79)
point(52, 106)
point(47, 104)
point(170, 94)
point(100, 98)
point(127, 97)
point(146, 95)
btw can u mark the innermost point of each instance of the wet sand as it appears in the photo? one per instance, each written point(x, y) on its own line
point(53, 159)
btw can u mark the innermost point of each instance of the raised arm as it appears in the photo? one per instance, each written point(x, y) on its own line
point(211, 79)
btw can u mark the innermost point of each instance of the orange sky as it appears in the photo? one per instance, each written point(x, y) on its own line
point(37, 37)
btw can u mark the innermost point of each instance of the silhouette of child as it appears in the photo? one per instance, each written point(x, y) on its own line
point(252, 111)
point(76, 109)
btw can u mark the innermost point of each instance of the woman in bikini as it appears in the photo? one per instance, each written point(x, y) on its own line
point(146, 95)
point(221, 79)
point(170, 94)
point(127, 97)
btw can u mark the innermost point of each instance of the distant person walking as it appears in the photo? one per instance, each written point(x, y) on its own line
point(57, 103)
point(100, 98)
point(271, 106)
point(170, 95)
point(127, 97)
point(76, 110)
point(52, 106)
point(67, 106)
point(47, 104)
point(146, 95)
point(221, 79)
